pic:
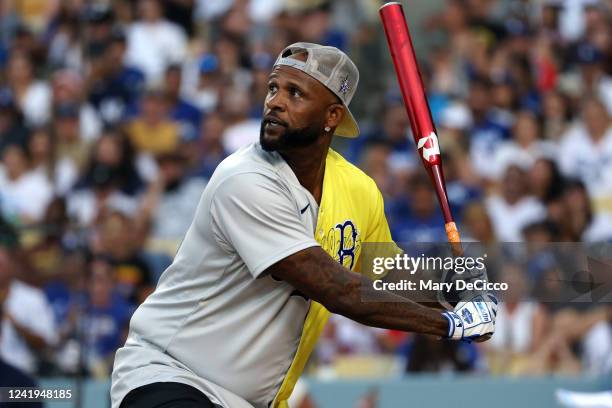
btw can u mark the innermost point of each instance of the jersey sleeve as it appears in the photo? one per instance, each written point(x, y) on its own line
point(257, 217)
point(378, 236)
point(378, 230)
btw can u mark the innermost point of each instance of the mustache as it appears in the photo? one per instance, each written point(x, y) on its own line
point(274, 119)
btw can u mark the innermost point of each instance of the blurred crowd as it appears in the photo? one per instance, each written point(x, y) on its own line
point(114, 114)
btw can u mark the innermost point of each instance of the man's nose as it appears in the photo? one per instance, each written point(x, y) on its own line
point(275, 102)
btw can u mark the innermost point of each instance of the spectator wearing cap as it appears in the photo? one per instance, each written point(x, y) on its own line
point(28, 326)
point(31, 96)
point(182, 111)
point(205, 94)
point(154, 42)
point(24, 194)
point(99, 19)
point(12, 128)
point(66, 128)
point(114, 85)
point(68, 87)
point(586, 153)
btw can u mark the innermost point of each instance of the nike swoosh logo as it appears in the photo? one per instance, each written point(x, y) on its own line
point(303, 210)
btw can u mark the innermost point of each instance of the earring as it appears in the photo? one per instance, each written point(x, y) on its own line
point(327, 129)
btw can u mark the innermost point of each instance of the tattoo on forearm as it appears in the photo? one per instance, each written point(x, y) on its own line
point(314, 274)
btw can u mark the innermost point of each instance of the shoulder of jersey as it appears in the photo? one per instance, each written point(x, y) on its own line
point(357, 178)
point(244, 160)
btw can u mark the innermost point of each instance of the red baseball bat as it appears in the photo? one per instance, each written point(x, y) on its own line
point(421, 122)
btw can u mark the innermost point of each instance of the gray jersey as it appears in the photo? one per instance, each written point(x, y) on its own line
point(215, 320)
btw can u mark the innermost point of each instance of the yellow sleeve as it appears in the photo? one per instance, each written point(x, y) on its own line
point(378, 240)
point(378, 228)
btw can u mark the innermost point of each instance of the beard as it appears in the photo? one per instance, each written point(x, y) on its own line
point(289, 137)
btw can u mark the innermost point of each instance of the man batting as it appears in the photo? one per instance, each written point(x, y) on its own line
point(273, 247)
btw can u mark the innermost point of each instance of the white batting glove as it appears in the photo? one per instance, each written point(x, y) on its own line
point(474, 319)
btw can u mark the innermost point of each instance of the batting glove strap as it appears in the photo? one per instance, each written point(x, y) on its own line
point(473, 318)
point(455, 326)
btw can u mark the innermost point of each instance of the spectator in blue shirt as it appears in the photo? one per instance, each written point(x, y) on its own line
point(488, 131)
point(418, 219)
point(183, 112)
point(115, 86)
point(104, 317)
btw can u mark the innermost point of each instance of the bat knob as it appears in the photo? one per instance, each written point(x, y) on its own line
point(483, 338)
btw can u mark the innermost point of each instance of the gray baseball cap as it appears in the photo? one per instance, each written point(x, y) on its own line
point(332, 68)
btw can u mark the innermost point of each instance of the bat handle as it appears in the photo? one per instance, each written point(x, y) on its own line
point(452, 233)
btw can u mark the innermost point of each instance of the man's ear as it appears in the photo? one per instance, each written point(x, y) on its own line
point(335, 113)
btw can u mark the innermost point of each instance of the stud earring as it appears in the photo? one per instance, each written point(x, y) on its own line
point(327, 129)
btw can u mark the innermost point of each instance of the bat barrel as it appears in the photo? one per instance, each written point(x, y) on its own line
point(415, 101)
point(409, 77)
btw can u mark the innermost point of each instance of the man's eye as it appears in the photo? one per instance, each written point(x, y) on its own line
point(295, 92)
point(272, 87)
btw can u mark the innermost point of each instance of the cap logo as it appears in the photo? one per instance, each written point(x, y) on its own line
point(344, 86)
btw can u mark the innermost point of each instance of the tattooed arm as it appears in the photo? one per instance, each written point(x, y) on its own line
point(314, 273)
